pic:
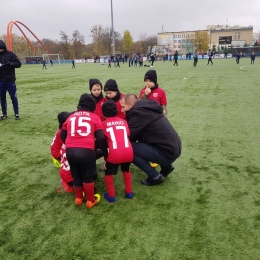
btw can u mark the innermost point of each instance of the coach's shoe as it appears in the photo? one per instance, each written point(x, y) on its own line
point(91, 204)
point(109, 199)
point(151, 182)
point(3, 117)
point(129, 195)
point(17, 117)
point(167, 170)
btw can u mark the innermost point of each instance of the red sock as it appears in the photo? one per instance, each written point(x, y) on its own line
point(78, 192)
point(128, 182)
point(109, 181)
point(89, 191)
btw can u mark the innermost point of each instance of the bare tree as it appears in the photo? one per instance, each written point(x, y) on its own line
point(78, 41)
point(65, 44)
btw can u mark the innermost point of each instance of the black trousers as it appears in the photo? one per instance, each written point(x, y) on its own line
point(195, 61)
point(210, 60)
point(113, 168)
point(82, 163)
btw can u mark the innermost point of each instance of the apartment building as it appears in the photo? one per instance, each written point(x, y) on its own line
point(181, 41)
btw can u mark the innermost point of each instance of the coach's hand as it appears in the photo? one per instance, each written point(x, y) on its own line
point(10, 64)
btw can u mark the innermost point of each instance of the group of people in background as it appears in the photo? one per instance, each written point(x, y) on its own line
point(120, 128)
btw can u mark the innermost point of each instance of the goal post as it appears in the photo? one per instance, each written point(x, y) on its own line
point(54, 57)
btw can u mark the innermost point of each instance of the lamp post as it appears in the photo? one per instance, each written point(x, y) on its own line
point(113, 34)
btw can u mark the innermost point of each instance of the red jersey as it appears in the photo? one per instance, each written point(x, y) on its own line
point(98, 110)
point(56, 145)
point(65, 172)
point(120, 114)
point(81, 127)
point(157, 94)
point(116, 133)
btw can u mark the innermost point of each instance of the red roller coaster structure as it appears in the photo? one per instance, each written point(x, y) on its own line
point(10, 40)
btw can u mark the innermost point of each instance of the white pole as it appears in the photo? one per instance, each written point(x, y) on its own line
point(113, 34)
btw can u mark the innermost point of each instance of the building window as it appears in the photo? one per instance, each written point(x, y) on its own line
point(175, 41)
point(175, 46)
point(179, 46)
point(179, 41)
point(237, 36)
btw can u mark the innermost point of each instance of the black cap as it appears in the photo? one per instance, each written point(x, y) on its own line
point(111, 85)
point(87, 102)
point(151, 75)
point(93, 82)
point(109, 108)
point(62, 117)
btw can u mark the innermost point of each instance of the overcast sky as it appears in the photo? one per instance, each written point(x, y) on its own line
point(47, 18)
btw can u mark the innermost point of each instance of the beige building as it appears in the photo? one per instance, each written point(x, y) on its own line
point(169, 42)
point(240, 36)
point(181, 41)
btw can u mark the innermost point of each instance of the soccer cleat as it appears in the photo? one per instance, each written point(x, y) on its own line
point(66, 187)
point(3, 117)
point(109, 199)
point(78, 201)
point(17, 117)
point(129, 195)
point(152, 182)
point(154, 165)
point(91, 204)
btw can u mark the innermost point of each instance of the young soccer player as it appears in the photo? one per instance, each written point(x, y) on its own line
point(153, 91)
point(112, 92)
point(95, 88)
point(82, 133)
point(120, 151)
point(58, 152)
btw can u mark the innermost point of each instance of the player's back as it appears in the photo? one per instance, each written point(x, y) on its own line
point(116, 132)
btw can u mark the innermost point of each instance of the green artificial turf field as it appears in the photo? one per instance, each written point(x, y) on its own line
point(208, 208)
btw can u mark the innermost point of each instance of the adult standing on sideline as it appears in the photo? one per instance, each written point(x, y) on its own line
point(8, 63)
point(158, 142)
point(195, 57)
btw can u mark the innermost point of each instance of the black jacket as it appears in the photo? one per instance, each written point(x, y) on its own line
point(148, 124)
point(9, 62)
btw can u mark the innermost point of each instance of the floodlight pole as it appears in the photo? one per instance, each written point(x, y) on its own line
point(113, 33)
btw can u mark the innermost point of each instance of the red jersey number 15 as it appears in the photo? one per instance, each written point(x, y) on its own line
point(80, 123)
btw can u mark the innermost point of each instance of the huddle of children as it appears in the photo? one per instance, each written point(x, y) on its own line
point(98, 128)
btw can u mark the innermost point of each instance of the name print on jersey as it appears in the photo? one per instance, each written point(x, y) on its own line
point(115, 123)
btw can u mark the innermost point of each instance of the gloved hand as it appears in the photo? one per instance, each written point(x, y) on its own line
point(56, 163)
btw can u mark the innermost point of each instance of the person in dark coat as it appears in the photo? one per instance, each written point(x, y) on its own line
point(8, 63)
point(158, 142)
point(252, 57)
point(175, 58)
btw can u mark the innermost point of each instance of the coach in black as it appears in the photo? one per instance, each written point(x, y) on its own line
point(158, 142)
point(8, 63)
